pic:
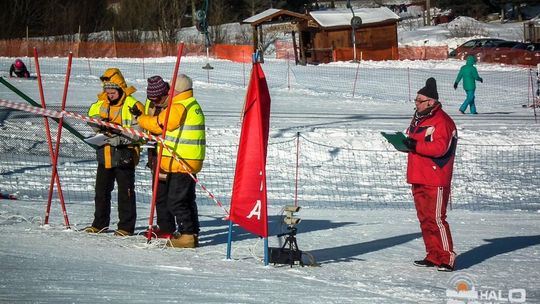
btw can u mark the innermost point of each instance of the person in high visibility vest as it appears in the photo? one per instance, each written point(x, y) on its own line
point(185, 141)
point(118, 156)
point(157, 90)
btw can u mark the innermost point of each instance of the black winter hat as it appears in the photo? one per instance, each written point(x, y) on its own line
point(430, 90)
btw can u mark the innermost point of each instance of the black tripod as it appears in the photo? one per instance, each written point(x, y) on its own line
point(289, 252)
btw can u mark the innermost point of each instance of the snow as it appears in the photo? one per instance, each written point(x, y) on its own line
point(361, 256)
point(261, 15)
point(342, 17)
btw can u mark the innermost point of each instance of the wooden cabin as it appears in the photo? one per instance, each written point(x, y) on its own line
point(326, 36)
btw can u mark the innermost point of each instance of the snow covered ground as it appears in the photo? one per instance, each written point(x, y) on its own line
point(358, 256)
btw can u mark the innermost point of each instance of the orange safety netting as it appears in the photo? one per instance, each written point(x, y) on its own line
point(423, 52)
point(17, 47)
point(236, 53)
point(345, 54)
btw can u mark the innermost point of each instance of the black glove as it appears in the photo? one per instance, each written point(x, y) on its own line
point(410, 143)
point(135, 111)
point(481, 80)
point(455, 85)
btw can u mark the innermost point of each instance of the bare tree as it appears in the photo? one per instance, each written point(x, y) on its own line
point(254, 7)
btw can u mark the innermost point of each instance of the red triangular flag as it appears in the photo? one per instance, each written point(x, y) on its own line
point(248, 201)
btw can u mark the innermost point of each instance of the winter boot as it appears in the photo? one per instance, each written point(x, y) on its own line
point(185, 240)
point(92, 229)
point(120, 232)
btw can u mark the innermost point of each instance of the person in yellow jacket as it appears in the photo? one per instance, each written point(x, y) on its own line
point(157, 90)
point(118, 156)
point(185, 139)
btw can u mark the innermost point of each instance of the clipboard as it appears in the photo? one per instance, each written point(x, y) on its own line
point(97, 140)
point(396, 139)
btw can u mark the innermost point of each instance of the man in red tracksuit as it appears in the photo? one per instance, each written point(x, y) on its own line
point(432, 140)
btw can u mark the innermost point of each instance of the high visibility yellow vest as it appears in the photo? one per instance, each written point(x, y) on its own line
point(189, 140)
point(98, 110)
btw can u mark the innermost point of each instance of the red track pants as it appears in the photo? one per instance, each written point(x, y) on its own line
point(431, 202)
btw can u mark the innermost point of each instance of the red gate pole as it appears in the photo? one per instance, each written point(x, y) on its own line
point(57, 149)
point(160, 154)
point(49, 141)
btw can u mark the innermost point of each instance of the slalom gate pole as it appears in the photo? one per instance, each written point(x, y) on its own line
point(57, 148)
point(534, 99)
point(530, 88)
point(288, 73)
point(143, 70)
point(229, 240)
point(409, 81)
point(157, 139)
point(355, 79)
point(35, 104)
point(297, 167)
point(266, 257)
point(160, 153)
point(54, 177)
point(244, 68)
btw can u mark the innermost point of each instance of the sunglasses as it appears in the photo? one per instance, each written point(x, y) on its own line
point(422, 100)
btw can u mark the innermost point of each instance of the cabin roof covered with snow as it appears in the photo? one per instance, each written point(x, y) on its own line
point(273, 15)
point(342, 17)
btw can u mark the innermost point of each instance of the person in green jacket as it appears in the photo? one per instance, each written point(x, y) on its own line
point(470, 75)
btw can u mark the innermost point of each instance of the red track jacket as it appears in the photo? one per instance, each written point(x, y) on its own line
point(433, 162)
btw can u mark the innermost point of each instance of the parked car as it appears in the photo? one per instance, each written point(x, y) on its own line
point(521, 53)
point(474, 47)
point(497, 53)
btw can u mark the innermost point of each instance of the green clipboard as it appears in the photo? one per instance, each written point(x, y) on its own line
point(396, 139)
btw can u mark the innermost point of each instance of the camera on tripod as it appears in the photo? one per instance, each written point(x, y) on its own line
point(289, 252)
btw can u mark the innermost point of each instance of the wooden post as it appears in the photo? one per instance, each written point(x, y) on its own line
point(261, 41)
point(302, 49)
point(27, 42)
point(78, 41)
point(428, 13)
point(255, 39)
point(114, 42)
point(294, 47)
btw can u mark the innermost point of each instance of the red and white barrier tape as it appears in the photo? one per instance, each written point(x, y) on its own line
point(158, 139)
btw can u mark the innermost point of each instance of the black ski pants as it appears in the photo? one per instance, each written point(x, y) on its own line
point(127, 211)
point(175, 202)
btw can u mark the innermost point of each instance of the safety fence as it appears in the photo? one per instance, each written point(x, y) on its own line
point(299, 170)
point(364, 80)
point(282, 49)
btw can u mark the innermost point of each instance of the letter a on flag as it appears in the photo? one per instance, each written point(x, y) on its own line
point(248, 201)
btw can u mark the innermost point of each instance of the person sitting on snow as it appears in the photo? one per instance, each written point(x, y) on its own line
point(19, 68)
